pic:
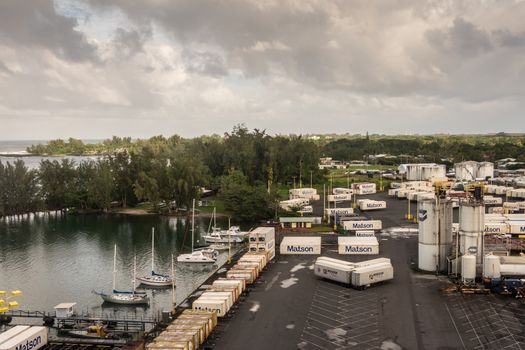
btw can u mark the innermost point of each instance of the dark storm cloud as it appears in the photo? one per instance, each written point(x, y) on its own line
point(30, 23)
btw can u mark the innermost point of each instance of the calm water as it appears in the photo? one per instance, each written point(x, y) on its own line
point(13, 148)
point(55, 259)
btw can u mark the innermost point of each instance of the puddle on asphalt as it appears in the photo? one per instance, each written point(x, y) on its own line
point(390, 345)
point(298, 267)
point(256, 306)
point(289, 282)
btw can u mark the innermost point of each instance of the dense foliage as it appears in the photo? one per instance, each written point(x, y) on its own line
point(166, 172)
point(241, 166)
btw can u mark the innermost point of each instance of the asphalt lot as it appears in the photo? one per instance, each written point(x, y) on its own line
point(290, 308)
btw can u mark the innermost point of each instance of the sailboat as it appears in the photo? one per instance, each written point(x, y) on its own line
point(205, 255)
point(233, 235)
point(155, 279)
point(124, 297)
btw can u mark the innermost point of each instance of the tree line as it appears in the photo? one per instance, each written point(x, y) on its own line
point(243, 167)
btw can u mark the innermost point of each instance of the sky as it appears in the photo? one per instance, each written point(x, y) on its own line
point(93, 69)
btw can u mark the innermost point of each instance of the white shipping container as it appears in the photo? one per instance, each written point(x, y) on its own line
point(488, 200)
point(211, 305)
point(33, 338)
point(228, 296)
point(495, 228)
point(358, 245)
point(336, 261)
point(238, 284)
point(365, 276)
point(339, 197)
point(378, 261)
point(262, 234)
point(372, 205)
point(300, 245)
point(10, 333)
point(516, 227)
point(361, 191)
point(339, 211)
point(342, 190)
point(333, 271)
point(360, 225)
point(365, 233)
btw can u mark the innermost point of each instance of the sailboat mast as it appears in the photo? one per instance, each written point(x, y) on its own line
point(192, 224)
point(152, 249)
point(173, 296)
point(134, 271)
point(114, 265)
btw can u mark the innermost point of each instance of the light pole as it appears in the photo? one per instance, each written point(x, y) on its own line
point(311, 177)
point(294, 181)
point(5, 303)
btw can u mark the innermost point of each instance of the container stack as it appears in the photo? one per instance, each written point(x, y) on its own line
point(191, 328)
point(262, 239)
point(188, 331)
point(359, 275)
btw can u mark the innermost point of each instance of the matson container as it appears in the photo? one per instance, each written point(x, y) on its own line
point(262, 234)
point(199, 315)
point(372, 205)
point(217, 306)
point(10, 333)
point(358, 245)
point(342, 190)
point(336, 261)
point(174, 336)
point(218, 296)
point(362, 225)
point(32, 338)
point(239, 274)
point(333, 271)
point(495, 228)
point(368, 275)
point(364, 188)
point(339, 211)
point(488, 200)
point(300, 245)
point(339, 197)
point(516, 227)
point(197, 329)
point(240, 284)
point(178, 343)
point(371, 262)
point(365, 233)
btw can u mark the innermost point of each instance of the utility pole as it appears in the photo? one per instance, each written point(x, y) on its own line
point(311, 182)
point(324, 202)
point(294, 181)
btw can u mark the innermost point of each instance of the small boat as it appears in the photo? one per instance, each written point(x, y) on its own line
point(93, 331)
point(219, 236)
point(205, 255)
point(123, 297)
point(155, 279)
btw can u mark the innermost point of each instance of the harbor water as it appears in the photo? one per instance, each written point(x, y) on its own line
point(55, 258)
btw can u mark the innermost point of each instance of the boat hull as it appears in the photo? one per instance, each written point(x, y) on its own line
point(111, 298)
point(148, 282)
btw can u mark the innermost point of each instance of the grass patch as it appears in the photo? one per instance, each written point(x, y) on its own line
point(321, 228)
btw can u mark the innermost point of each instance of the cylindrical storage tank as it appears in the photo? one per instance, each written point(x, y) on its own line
point(491, 266)
point(428, 249)
point(468, 268)
point(471, 227)
point(485, 170)
point(465, 170)
point(445, 232)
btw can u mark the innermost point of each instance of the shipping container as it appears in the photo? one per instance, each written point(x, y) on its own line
point(368, 275)
point(224, 282)
point(175, 335)
point(516, 227)
point(339, 197)
point(493, 228)
point(262, 234)
point(300, 245)
point(246, 276)
point(336, 261)
point(218, 306)
point(33, 338)
point(333, 271)
point(372, 205)
point(342, 190)
point(10, 333)
point(358, 245)
point(365, 233)
point(339, 211)
point(377, 261)
point(175, 343)
point(360, 225)
point(228, 297)
point(200, 330)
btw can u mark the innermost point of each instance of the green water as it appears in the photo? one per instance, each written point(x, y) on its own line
point(54, 259)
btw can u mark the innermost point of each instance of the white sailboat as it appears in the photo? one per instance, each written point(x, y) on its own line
point(205, 255)
point(231, 236)
point(154, 279)
point(123, 297)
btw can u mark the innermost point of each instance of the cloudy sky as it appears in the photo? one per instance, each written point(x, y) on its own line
point(92, 69)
